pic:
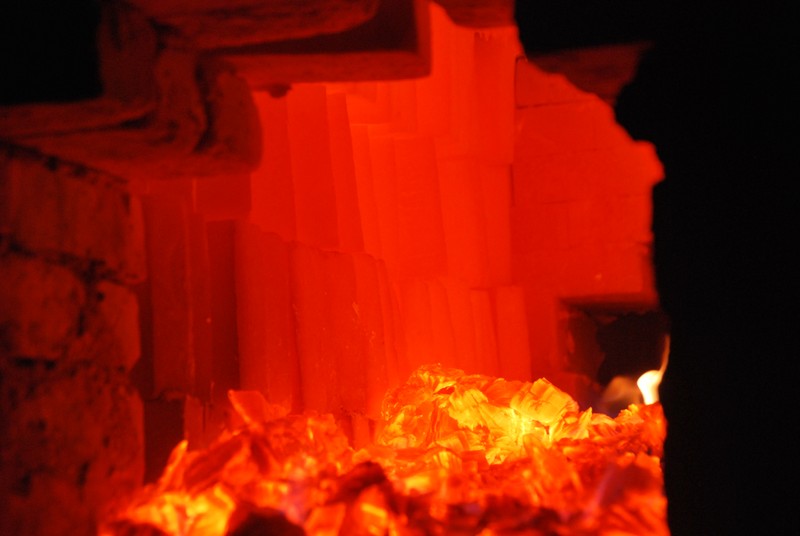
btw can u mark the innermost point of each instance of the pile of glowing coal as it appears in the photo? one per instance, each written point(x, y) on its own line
point(455, 454)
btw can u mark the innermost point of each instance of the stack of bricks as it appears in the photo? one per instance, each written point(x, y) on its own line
point(378, 239)
point(71, 247)
point(581, 217)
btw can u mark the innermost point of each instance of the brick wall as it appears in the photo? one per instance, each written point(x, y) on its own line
point(580, 218)
point(71, 246)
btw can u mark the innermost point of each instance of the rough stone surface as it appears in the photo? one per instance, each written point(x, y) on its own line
point(71, 239)
point(166, 135)
point(166, 111)
point(110, 334)
point(479, 13)
point(234, 130)
point(221, 23)
point(204, 124)
point(40, 307)
point(602, 70)
point(72, 443)
point(393, 45)
point(70, 214)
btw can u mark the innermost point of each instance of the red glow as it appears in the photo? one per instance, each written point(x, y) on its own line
point(456, 453)
point(439, 219)
point(396, 224)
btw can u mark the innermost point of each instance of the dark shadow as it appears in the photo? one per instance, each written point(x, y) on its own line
point(718, 96)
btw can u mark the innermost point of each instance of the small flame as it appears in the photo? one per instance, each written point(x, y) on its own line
point(649, 381)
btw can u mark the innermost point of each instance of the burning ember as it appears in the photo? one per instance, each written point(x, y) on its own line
point(454, 454)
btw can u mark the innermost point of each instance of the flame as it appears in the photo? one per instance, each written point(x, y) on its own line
point(456, 453)
point(649, 381)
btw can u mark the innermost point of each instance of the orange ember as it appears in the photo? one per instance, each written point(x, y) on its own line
point(455, 454)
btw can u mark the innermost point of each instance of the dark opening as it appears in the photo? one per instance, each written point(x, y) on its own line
point(614, 345)
point(49, 51)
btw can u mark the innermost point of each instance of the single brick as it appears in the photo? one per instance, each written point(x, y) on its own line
point(62, 211)
point(110, 327)
point(40, 307)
